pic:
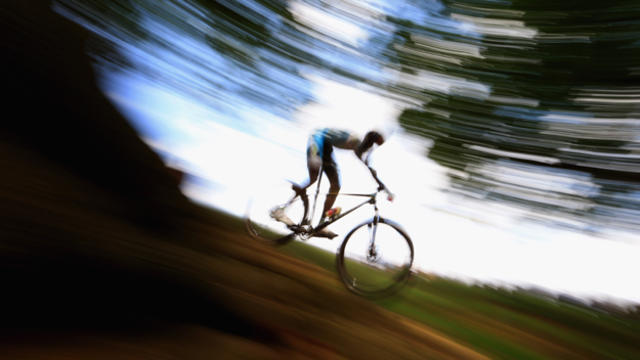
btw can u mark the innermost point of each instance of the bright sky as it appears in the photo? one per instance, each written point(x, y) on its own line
point(493, 248)
point(232, 161)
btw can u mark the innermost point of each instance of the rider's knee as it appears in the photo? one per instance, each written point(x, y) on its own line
point(314, 163)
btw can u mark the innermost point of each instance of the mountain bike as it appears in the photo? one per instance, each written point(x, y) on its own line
point(375, 257)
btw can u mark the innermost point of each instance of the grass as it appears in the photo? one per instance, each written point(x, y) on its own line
point(501, 323)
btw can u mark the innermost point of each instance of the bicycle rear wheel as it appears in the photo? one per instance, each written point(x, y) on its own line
point(260, 222)
point(375, 260)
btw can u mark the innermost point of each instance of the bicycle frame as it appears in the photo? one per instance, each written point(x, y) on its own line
point(371, 200)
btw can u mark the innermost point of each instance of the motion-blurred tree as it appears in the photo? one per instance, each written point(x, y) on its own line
point(241, 32)
point(551, 122)
point(531, 103)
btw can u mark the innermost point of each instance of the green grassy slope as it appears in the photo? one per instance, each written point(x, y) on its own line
point(504, 323)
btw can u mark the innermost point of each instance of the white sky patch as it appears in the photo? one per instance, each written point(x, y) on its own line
point(448, 47)
point(344, 106)
point(587, 126)
point(514, 101)
point(498, 27)
point(633, 99)
point(514, 155)
point(433, 81)
point(328, 24)
point(558, 260)
point(589, 119)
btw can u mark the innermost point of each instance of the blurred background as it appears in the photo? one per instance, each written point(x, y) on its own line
point(513, 129)
point(142, 128)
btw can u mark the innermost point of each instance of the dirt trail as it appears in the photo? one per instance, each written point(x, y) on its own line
point(284, 306)
point(102, 257)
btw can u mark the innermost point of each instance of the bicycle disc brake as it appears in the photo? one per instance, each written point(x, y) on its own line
point(372, 251)
point(373, 255)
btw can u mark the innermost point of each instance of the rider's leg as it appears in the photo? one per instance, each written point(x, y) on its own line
point(314, 164)
point(314, 169)
point(331, 170)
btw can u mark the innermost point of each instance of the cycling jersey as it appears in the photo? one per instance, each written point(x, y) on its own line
point(322, 141)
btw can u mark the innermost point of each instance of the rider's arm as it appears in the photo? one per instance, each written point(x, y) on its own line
point(362, 154)
point(366, 145)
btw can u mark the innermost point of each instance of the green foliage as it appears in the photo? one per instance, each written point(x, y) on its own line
point(559, 88)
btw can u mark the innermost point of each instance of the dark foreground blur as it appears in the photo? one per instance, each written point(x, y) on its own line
point(101, 256)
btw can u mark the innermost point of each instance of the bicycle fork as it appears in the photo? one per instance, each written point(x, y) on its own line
point(372, 250)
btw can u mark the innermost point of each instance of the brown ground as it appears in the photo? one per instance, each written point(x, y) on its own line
point(89, 284)
point(101, 257)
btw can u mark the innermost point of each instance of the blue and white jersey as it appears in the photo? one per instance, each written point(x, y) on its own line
point(322, 141)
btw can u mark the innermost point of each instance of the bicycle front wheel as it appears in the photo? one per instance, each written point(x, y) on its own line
point(375, 260)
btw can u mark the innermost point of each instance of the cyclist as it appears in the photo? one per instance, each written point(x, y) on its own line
point(320, 156)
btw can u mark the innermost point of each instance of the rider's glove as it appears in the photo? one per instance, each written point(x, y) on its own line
point(390, 196)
